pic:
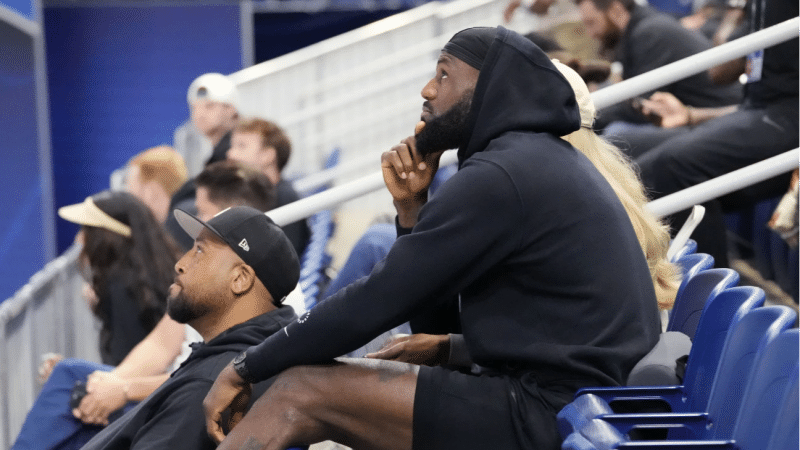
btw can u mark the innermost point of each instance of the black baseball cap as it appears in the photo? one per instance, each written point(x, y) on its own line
point(257, 240)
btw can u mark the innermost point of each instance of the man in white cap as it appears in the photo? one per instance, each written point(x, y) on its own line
point(214, 106)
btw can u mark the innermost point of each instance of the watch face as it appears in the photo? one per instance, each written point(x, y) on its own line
point(239, 358)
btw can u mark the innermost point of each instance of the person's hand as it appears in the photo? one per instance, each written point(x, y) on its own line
point(229, 392)
point(90, 296)
point(694, 21)
point(673, 113)
point(420, 349)
point(105, 393)
point(49, 361)
point(407, 176)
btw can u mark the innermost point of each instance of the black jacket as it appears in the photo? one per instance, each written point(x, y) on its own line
point(654, 39)
point(172, 416)
point(551, 276)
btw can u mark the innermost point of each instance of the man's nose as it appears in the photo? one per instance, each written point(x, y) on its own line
point(428, 92)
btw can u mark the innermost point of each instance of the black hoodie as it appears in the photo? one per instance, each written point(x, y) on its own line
point(551, 277)
point(172, 416)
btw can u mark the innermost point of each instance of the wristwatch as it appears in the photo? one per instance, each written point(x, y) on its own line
point(241, 369)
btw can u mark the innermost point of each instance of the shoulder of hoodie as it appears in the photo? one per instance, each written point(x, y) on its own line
point(206, 368)
point(517, 158)
point(516, 151)
point(652, 27)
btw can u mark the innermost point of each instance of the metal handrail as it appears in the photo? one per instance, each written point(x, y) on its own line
point(725, 184)
point(602, 98)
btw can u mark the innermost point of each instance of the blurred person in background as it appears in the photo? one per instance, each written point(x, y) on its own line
point(717, 141)
point(214, 105)
point(266, 147)
point(153, 176)
point(213, 101)
point(642, 39)
point(126, 259)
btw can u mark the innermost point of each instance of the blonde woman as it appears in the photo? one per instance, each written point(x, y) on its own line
point(619, 172)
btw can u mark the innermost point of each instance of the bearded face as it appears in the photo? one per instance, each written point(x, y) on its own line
point(447, 130)
point(183, 309)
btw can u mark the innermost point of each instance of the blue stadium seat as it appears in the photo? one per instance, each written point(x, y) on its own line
point(773, 381)
point(784, 433)
point(701, 288)
point(744, 346)
point(315, 258)
point(726, 309)
point(768, 402)
point(688, 248)
point(691, 265)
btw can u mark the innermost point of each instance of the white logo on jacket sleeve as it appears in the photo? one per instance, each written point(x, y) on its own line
point(244, 245)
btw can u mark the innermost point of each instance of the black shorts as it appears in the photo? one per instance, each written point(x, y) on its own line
point(461, 411)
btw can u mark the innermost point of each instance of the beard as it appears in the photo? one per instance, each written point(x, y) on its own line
point(447, 130)
point(183, 310)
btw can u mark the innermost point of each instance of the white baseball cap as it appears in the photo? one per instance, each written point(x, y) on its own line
point(215, 87)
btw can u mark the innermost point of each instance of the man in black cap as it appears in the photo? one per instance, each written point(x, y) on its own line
point(554, 290)
point(229, 287)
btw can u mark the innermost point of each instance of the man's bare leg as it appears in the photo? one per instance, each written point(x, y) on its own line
point(361, 403)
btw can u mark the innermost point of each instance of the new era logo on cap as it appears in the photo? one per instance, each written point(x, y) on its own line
point(244, 245)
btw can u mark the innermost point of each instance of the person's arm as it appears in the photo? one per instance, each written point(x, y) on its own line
point(469, 226)
point(156, 352)
point(732, 18)
point(675, 114)
point(727, 72)
point(407, 176)
point(426, 349)
point(107, 392)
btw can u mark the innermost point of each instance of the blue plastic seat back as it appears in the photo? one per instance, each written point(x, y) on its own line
point(688, 248)
point(746, 342)
point(595, 435)
point(699, 290)
point(315, 259)
point(690, 266)
point(576, 414)
point(724, 310)
point(784, 434)
point(773, 377)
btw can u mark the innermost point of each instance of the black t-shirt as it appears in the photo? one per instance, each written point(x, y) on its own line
point(779, 68)
point(297, 232)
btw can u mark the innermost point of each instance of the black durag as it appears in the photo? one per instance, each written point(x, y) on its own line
point(471, 45)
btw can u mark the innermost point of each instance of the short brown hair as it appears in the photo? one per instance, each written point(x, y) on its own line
point(230, 183)
point(163, 165)
point(271, 136)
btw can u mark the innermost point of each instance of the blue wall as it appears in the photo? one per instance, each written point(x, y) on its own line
point(118, 78)
point(23, 232)
point(24, 8)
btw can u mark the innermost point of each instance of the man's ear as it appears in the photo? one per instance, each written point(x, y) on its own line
point(243, 279)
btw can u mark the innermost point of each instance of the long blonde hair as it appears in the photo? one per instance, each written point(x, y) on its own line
point(618, 170)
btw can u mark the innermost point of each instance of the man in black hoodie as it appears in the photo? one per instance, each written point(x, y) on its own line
point(229, 287)
point(554, 290)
